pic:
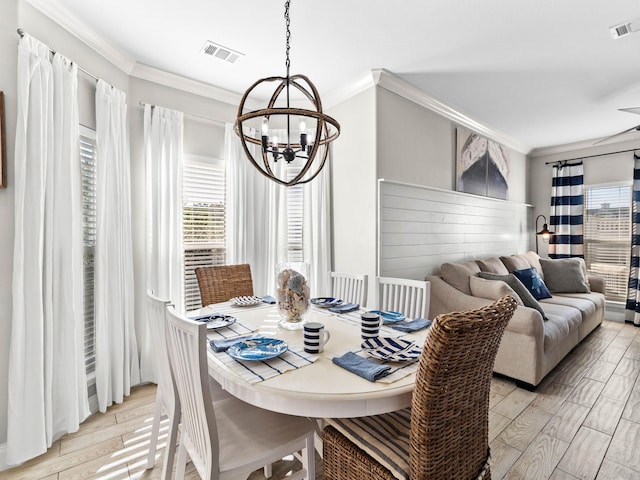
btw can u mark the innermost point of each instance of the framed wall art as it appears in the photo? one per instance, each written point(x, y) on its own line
point(3, 145)
point(482, 165)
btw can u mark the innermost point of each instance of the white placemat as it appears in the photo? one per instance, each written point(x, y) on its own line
point(354, 319)
point(229, 308)
point(236, 329)
point(258, 371)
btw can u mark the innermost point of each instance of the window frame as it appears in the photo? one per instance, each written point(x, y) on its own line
point(87, 138)
point(201, 253)
point(615, 274)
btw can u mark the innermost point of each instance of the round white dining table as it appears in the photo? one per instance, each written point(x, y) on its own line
point(321, 389)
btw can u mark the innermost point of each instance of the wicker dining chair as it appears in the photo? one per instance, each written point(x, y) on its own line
point(444, 434)
point(219, 283)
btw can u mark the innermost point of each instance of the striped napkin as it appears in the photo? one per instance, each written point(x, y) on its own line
point(258, 371)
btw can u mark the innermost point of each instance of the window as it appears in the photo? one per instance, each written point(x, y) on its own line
point(88, 168)
point(607, 236)
point(203, 220)
point(204, 216)
point(295, 218)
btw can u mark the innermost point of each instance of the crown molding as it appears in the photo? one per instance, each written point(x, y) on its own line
point(389, 81)
point(376, 77)
point(67, 20)
point(339, 95)
point(185, 84)
point(583, 145)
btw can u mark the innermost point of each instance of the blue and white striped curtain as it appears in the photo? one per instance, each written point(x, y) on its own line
point(567, 203)
point(632, 312)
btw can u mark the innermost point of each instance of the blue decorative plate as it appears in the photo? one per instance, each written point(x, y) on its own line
point(389, 317)
point(326, 302)
point(391, 349)
point(215, 320)
point(258, 349)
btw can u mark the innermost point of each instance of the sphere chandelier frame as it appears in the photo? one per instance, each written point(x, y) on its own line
point(307, 147)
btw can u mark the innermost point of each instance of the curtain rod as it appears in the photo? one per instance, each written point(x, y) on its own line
point(21, 33)
point(142, 104)
point(590, 156)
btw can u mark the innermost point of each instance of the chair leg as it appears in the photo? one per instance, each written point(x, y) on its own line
point(155, 430)
point(309, 457)
point(182, 462)
point(170, 449)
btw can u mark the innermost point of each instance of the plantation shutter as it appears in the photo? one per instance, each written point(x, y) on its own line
point(295, 213)
point(88, 167)
point(607, 236)
point(203, 221)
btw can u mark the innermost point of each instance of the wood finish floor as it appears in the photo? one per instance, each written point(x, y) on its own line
point(583, 422)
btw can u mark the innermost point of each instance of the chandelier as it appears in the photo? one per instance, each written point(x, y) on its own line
point(315, 130)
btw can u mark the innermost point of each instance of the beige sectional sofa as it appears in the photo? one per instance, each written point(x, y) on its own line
point(539, 336)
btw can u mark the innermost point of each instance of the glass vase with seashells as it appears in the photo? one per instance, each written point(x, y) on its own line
point(292, 293)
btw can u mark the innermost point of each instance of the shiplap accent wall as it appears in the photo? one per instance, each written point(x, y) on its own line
point(419, 228)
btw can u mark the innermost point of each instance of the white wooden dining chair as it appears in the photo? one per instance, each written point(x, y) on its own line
point(410, 297)
point(226, 439)
point(350, 287)
point(165, 394)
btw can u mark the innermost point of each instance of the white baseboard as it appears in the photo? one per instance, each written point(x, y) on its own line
point(3, 457)
point(614, 311)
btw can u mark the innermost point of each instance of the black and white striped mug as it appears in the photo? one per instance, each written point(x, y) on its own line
point(370, 325)
point(315, 337)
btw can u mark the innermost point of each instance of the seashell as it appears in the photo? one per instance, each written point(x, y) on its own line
point(296, 283)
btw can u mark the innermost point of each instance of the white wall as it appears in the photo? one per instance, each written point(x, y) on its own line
point(416, 145)
point(354, 186)
point(386, 135)
point(9, 55)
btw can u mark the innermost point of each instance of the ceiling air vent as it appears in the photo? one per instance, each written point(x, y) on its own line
point(625, 28)
point(216, 50)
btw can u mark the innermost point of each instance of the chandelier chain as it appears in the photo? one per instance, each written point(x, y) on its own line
point(288, 23)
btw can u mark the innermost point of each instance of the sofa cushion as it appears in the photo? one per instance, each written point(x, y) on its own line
point(534, 283)
point(597, 298)
point(492, 265)
point(457, 274)
point(585, 305)
point(491, 289)
point(515, 262)
point(527, 299)
point(534, 260)
point(562, 321)
point(565, 275)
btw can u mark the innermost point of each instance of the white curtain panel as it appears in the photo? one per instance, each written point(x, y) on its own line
point(163, 140)
point(47, 387)
point(117, 363)
point(253, 220)
point(257, 218)
point(317, 231)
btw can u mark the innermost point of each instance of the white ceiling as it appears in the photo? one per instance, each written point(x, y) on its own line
point(544, 72)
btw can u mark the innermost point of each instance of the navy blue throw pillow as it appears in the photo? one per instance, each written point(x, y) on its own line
point(534, 283)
